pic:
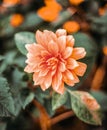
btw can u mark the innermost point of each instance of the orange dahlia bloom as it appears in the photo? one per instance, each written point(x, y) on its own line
point(16, 20)
point(105, 50)
point(53, 61)
point(50, 12)
point(76, 2)
point(102, 10)
point(8, 3)
point(71, 26)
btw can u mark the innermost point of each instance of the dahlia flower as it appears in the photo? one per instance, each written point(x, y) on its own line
point(54, 60)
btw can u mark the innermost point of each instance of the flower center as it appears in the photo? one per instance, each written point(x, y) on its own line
point(52, 62)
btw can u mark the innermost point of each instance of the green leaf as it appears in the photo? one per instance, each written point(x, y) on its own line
point(85, 107)
point(36, 21)
point(28, 99)
point(58, 100)
point(1, 57)
point(8, 60)
point(99, 24)
point(48, 106)
point(23, 38)
point(6, 101)
point(2, 126)
point(17, 85)
point(17, 81)
point(101, 98)
point(41, 95)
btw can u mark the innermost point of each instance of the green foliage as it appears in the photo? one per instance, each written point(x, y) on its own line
point(7, 60)
point(22, 96)
point(2, 126)
point(26, 100)
point(58, 100)
point(32, 20)
point(48, 106)
point(99, 24)
point(87, 111)
point(41, 95)
point(6, 100)
point(1, 57)
point(101, 98)
point(23, 38)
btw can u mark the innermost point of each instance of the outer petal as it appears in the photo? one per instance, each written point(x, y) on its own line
point(34, 49)
point(39, 37)
point(76, 79)
point(80, 70)
point(70, 41)
point(67, 75)
point(56, 81)
point(47, 81)
point(31, 47)
point(61, 88)
point(49, 35)
point(72, 63)
point(67, 53)
point(28, 69)
point(32, 60)
point(62, 43)
point(78, 53)
point(36, 78)
point(61, 32)
point(70, 78)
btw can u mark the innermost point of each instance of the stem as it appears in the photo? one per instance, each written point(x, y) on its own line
point(44, 117)
point(61, 117)
point(46, 121)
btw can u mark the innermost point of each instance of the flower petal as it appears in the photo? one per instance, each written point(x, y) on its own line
point(53, 47)
point(31, 47)
point(61, 32)
point(39, 37)
point(43, 87)
point(67, 53)
point(70, 78)
point(36, 79)
point(61, 88)
point(72, 63)
point(62, 43)
point(78, 53)
point(80, 70)
point(34, 49)
point(67, 75)
point(49, 35)
point(43, 72)
point(62, 67)
point(47, 81)
point(56, 81)
point(76, 79)
point(28, 69)
point(70, 40)
point(32, 60)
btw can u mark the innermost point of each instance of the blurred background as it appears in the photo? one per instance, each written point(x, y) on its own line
point(85, 19)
